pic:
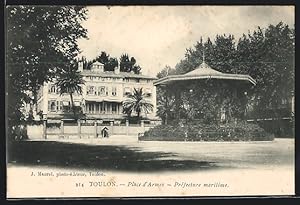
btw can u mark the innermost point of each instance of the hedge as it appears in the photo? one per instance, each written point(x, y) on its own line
point(241, 131)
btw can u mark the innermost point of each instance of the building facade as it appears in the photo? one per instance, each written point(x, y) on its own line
point(102, 95)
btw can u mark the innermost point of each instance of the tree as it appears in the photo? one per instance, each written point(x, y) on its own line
point(165, 106)
point(40, 40)
point(103, 57)
point(136, 69)
point(224, 54)
point(125, 65)
point(267, 55)
point(128, 64)
point(111, 64)
point(272, 56)
point(137, 102)
point(165, 101)
point(167, 70)
point(69, 81)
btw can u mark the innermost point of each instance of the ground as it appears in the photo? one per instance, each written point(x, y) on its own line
point(242, 168)
point(131, 155)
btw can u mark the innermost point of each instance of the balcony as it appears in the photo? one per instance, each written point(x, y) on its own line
point(105, 115)
point(108, 98)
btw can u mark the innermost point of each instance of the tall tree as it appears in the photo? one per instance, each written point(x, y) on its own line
point(224, 54)
point(39, 41)
point(125, 65)
point(274, 66)
point(128, 64)
point(111, 64)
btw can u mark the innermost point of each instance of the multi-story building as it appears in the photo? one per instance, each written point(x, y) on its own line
point(102, 95)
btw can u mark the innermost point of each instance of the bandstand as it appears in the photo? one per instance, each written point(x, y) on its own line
point(205, 90)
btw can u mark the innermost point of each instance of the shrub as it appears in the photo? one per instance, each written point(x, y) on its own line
point(241, 131)
point(18, 133)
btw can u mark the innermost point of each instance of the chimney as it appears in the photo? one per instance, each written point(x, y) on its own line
point(117, 70)
point(80, 66)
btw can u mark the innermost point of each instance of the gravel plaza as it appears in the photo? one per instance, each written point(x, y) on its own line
point(140, 154)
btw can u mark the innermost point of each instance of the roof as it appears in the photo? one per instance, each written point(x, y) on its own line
point(204, 72)
point(113, 74)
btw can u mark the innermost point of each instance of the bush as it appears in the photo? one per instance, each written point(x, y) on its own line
point(241, 131)
point(18, 133)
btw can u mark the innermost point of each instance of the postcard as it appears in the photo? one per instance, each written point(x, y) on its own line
point(150, 101)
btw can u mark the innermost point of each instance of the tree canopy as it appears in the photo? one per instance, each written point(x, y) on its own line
point(266, 54)
point(127, 63)
point(41, 42)
point(137, 102)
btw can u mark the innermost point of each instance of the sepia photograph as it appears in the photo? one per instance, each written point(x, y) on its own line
point(149, 101)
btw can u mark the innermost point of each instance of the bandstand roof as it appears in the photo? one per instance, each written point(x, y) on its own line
point(204, 71)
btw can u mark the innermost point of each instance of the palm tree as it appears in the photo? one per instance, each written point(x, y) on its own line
point(69, 81)
point(136, 102)
point(166, 106)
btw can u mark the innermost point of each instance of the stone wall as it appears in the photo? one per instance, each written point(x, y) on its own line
point(83, 130)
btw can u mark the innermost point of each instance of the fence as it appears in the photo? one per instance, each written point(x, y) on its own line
point(83, 129)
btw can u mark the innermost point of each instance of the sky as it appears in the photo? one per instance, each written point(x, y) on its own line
point(157, 36)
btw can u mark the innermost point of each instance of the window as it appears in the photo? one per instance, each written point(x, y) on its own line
point(57, 105)
point(106, 91)
point(90, 108)
point(52, 106)
point(114, 107)
point(57, 90)
point(114, 91)
point(97, 108)
point(65, 106)
point(91, 90)
point(61, 105)
point(101, 91)
point(52, 89)
point(102, 107)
